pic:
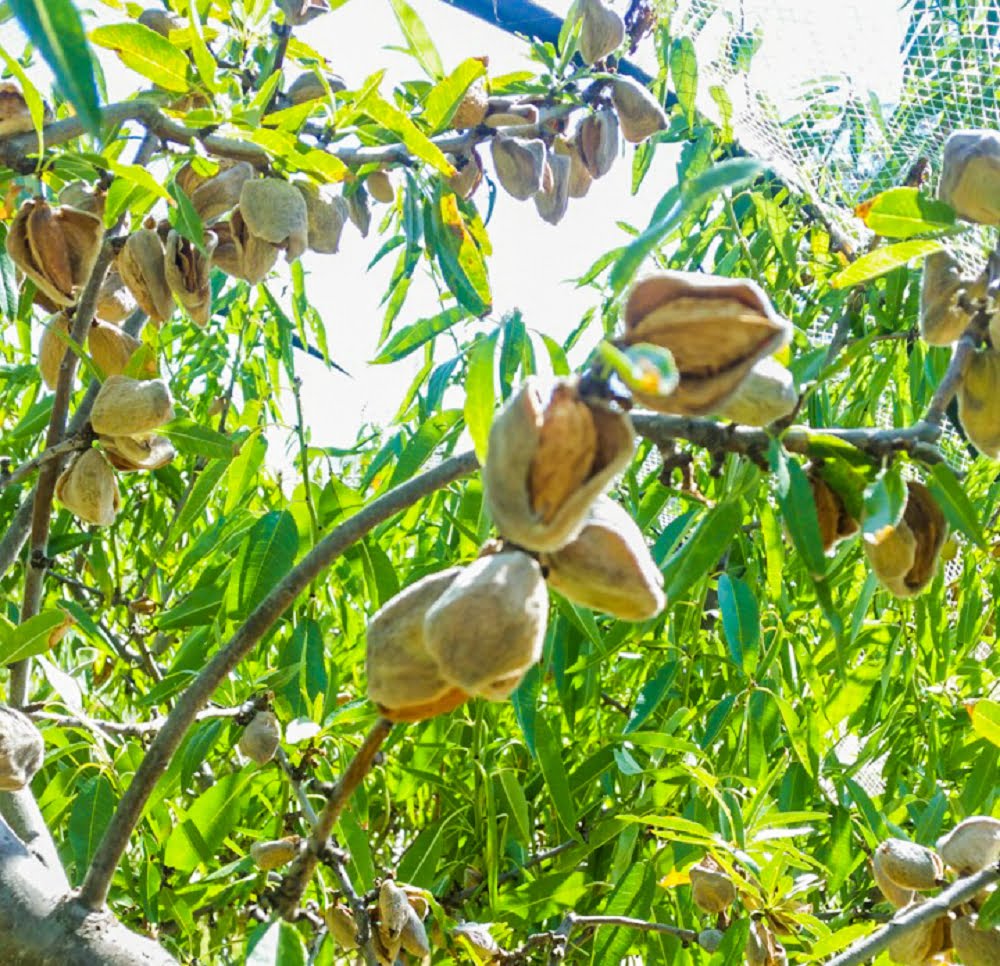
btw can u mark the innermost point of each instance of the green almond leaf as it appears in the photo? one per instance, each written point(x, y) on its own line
point(33, 637)
point(393, 119)
point(701, 552)
point(196, 839)
point(740, 617)
point(445, 96)
point(989, 913)
point(277, 944)
point(799, 510)
point(196, 609)
point(55, 28)
point(959, 510)
point(480, 393)
point(184, 219)
point(412, 337)
point(93, 806)
point(266, 555)
point(905, 212)
point(423, 443)
point(684, 71)
point(191, 437)
point(203, 58)
point(138, 175)
point(147, 53)
point(418, 39)
point(884, 260)
point(885, 501)
point(986, 720)
point(653, 692)
point(550, 760)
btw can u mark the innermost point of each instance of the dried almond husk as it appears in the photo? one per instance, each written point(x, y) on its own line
point(340, 921)
point(217, 195)
point(553, 200)
point(970, 175)
point(160, 21)
point(942, 319)
point(835, 523)
point(471, 110)
point(275, 211)
point(111, 348)
point(975, 946)
point(716, 328)
point(895, 894)
point(979, 401)
point(918, 946)
point(601, 31)
point(309, 87)
point(261, 737)
point(188, 270)
point(83, 197)
point(551, 454)
point(131, 454)
point(326, 216)
point(488, 626)
point(141, 266)
point(394, 913)
point(52, 349)
point(640, 114)
point(468, 174)
point(404, 680)
point(763, 948)
point(478, 937)
point(908, 865)
point(380, 187)
point(22, 749)
point(115, 303)
point(276, 853)
point(88, 489)
point(579, 177)
point(596, 139)
point(971, 845)
point(242, 254)
point(519, 165)
point(15, 116)
point(767, 394)
point(130, 407)
point(712, 889)
point(608, 567)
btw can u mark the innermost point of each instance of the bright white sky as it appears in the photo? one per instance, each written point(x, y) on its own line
point(532, 261)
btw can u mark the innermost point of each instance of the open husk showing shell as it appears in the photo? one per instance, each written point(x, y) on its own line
point(188, 270)
point(141, 266)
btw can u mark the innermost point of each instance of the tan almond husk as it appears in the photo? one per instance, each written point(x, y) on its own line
point(241, 254)
point(608, 567)
point(501, 598)
point(553, 200)
point(380, 187)
point(404, 680)
point(970, 175)
point(767, 394)
point(468, 174)
point(716, 328)
point(519, 164)
point(22, 749)
point(300, 12)
point(942, 319)
point(919, 945)
point(141, 266)
point(972, 845)
point(261, 737)
point(712, 889)
point(908, 865)
point(763, 948)
point(393, 914)
point(511, 115)
point(128, 454)
point(596, 139)
point(835, 523)
point(979, 401)
point(52, 349)
point(975, 946)
point(471, 110)
point(130, 407)
point(111, 348)
point(188, 271)
point(896, 895)
point(326, 216)
point(15, 117)
point(640, 114)
point(275, 211)
point(115, 303)
point(340, 921)
point(602, 31)
point(549, 459)
point(88, 489)
point(276, 853)
point(218, 195)
point(580, 179)
point(309, 87)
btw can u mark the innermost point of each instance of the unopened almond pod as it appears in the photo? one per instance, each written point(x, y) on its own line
point(326, 216)
point(358, 210)
point(551, 454)
point(970, 175)
point(608, 566)
point(510, 115)
point(380, 187)
point(115, 303)
point(300, 12)
point(242, 254)
point(486, 630)
point(975, 946)
point(712, 889)
point(309, 87)
point(979, 401)
point(275, 854)
point(519, 164)
point(15, 117)
point(471, 110)
point(22, 749)
point(553, 199)
point(52, 348)
point(716, 328)
point(141, 266)
point(130, 407)
point(468, 174)
point(394, 913)
point(88, 489)
point(767, 394)
point(261, 737)
point(640, 114)
point(579, 177)
point(942, 320)
point(971, 845)
point(344, 930)
point(275, 211)
point(111, 348)
point(895, 894)
point(835, 522)
point(918, 946)
point(129, 454)
point(479, 939)
point(601, 31)
point(596, 139)
point(56, 247)
point(908, 865)
point(905, 557)
point(188, 270)
point(218, 194)
point(404, 679)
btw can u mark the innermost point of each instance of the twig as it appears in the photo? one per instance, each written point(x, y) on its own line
point(511, 875)
point(132, 729)
point(286, 766)
point(559, 938)
point(297, 879)
point(903, 922)
point(56, 452)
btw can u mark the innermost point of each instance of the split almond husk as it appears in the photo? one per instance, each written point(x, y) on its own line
point(767, 394)
point(471, 110)
point(553, 200)
point(835, 522)
point(88, 489)
point(300, 12)
point(640, 114)
point(160, 21)
point(519, 164)
point(394, 913)
point(908, 865)
point(971, 845)
point(188, 269)
point(83, 197)
point(468, 174)
point(326, 216)
point(918, 946)
point(241, 254)
point(358, 210)
point(276, 853)
point(975, 946)
point(942, 319)
point(22, 749)
point(56, 247)
point(488, 626)
point(115, 303)
point(128, 454)
point(52, 348)
point(141, 266)
point(979, 401)
point(130, 407)
point(15, 117)
point(608, 567)
point(111, 348)
point(601, 31)
point(404, 679)
point(579, 177)
point(275, 211)
point(970, 175)
point(261, 737)
point(763, 948)
point(712, 889)
point(551, 454)
point(716, 328)
point(511, 115)
point(596, 139)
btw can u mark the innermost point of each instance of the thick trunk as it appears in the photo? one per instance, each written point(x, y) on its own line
point(43, 925)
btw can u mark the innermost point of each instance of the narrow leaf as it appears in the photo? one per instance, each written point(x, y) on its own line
point(884, 260)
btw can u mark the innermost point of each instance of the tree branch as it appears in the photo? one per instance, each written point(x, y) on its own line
point(57, 452)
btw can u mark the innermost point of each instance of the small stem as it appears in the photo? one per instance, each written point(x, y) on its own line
point(57, 452)
point(286, 766)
